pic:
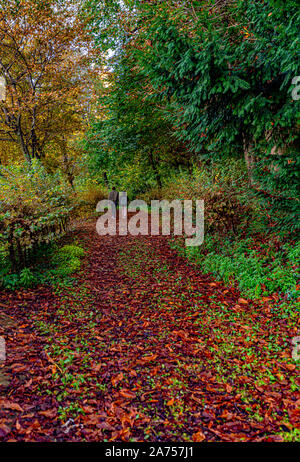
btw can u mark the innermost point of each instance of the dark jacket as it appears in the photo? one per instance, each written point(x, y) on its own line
point(113, 196)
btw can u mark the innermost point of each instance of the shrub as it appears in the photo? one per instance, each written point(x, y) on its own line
point(255, 275)
point(69, 267)
point(88, 193)
point(236, 246)
point(5, 264)
point(70, 251)
point(35, 208)
point(294, 254)
point(10, 281)
point(27, 278)
point(224, 189)
point(67, 260)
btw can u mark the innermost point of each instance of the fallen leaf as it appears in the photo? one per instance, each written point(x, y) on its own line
point(127, 394)
point(10, 405)
point(198, 437)
point(50, 413)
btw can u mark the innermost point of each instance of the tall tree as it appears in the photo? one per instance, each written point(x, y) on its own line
point(44, 57)
point(132, 129)
point(222, 71)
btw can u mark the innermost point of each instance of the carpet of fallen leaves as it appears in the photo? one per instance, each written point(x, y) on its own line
point(140, 346)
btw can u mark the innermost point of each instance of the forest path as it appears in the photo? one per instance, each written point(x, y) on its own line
point(141, 346)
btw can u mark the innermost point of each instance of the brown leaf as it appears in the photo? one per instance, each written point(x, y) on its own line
point(28, 384)
point(18, 426)
point(96, 368)
point(198, 437)
point(50, 413)
point(149, 358)
point(290, 367)
point(228, 388)
point(12, 406)
point(133, 373)
point(18, 367)
point(127, 394)
point(118, 378)
point(4, 430)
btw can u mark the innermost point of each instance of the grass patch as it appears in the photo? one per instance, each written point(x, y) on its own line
point(258, 268)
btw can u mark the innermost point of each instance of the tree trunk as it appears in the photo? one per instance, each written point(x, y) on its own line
point(155, 169)
point(105, 178)
point(22, 142)
point(249, 160)
point(68, 168)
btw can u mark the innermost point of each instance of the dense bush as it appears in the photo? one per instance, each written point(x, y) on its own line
point(240, 244)
point(66, 260)
point(229, 203)
point(251, 263)
point(53, 264)
point(35, 208)
point(88, 193)
point(225, 80)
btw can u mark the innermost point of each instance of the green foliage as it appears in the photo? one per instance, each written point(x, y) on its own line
point(70, 251)
point(243, 250)
point(67, 260)
point(14, 281)
point(5, 264)
point(229, 204)
point(27, 278)
point(292, 436)
point(35, 208)
point(255, 273)
point(131, 139)
point(224, 77)
point(89, 192)
point(294, 254)
point(10, 281)
point(279, 188)
point(54, 265)
point(215, 75)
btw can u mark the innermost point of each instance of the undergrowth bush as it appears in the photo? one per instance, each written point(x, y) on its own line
point(88, 194)
point(35, 208)
point(256, 272)
point(53, 265)
point(242, 244)
point(67, 260)
point(225, 192)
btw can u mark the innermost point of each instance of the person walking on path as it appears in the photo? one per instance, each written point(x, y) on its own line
point(123, 203)
point(114, 196)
